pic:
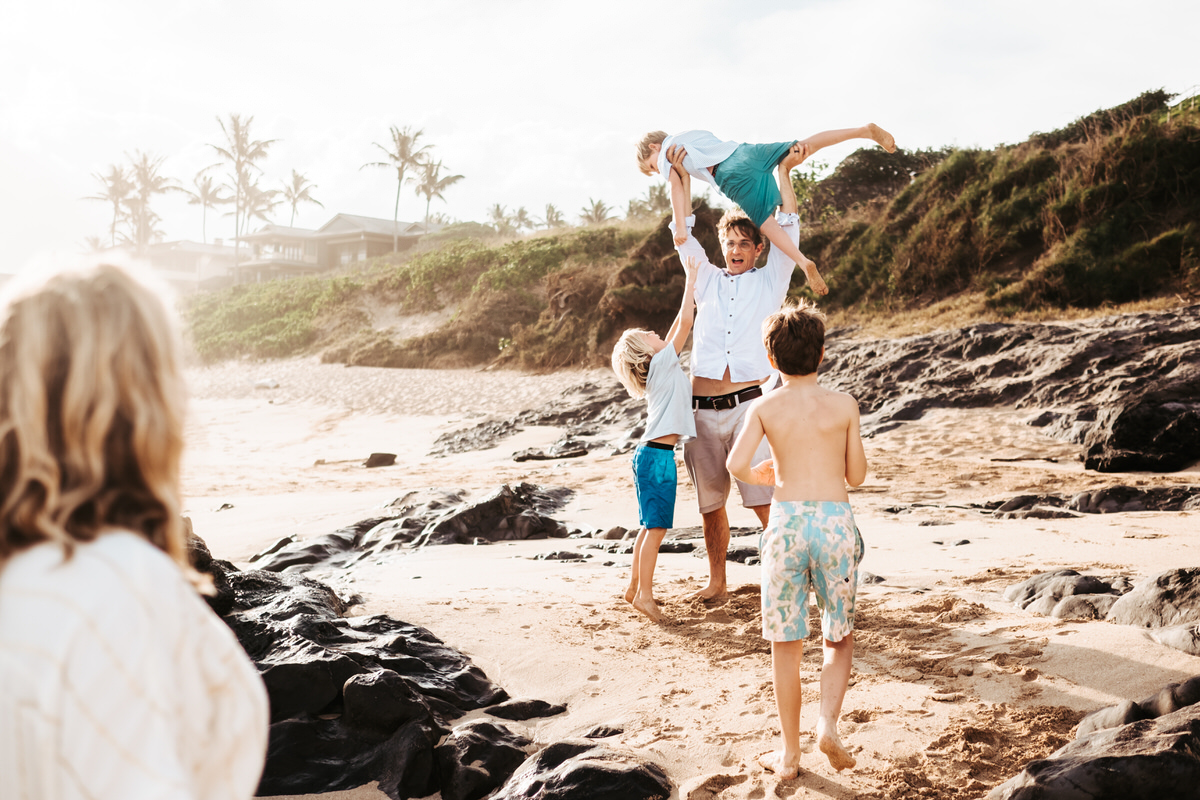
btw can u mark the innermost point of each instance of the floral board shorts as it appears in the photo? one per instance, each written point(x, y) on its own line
point(812, 544)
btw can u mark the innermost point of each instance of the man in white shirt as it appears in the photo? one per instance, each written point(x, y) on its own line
point(729, 362)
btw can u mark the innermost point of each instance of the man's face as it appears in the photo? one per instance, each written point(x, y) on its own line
point(740, 251)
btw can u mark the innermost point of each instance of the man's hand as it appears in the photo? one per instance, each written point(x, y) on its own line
point(675, 155)
point(764, 472)
point(795, 157)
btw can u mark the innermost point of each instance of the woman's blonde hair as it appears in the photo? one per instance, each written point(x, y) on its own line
point(631, 361)
point(91, 413)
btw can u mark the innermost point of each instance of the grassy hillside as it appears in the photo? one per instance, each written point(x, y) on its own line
point(1103, 212)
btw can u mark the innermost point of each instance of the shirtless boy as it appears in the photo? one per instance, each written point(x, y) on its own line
point(811, 540)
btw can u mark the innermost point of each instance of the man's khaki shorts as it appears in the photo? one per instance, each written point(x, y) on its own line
point(705, 457)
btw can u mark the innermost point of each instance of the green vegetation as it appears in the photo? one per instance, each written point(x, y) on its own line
point(1102, 212)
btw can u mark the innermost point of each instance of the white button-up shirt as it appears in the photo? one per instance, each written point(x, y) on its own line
point(730, 309)
point(703, 150)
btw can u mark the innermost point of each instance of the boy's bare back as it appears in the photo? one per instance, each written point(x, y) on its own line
point(814, 437)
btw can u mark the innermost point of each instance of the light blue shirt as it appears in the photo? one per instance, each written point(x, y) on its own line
point(703, 150)
point(668, 398)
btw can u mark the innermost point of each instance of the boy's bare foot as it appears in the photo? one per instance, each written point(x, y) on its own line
point(814, 278)
point(648, 607)
point(785, 768)
point(882, 137)
point(831, 746)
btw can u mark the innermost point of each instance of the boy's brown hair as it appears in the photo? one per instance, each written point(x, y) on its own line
point(736, 219)
point(795, 338)
point(643, 149)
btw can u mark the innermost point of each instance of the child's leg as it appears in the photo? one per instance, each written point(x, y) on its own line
point(778, 238)
point(631, 592)
point(835, 677)
point(645, 558)
point(785, 662)
point(869, 131)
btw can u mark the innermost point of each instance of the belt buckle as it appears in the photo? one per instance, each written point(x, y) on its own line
point(725, 402)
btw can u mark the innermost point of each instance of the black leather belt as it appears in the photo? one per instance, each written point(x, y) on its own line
point(724, 402)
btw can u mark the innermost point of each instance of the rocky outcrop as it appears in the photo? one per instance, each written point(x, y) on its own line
point(583, 411)
point(577, 769)
point(1066, 594)
point(362, 699)
point(1125, 387)
point(1168, 604)
point(1132, 751)
point(433, 516)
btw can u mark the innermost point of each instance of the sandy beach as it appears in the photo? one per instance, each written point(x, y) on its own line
point(953, 690)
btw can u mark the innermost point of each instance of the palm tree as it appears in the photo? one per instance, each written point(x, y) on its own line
point(94, 244)
point(116, 188)
point(297, 193)
point(501, 220)
point(241, 155)
point(431, 184)
point(259, 203)
point(404, 155)
point(206, 195)
point(658, 200)
point(147, 182)
point(521, 219)
point(553, 217)
point(597, 213)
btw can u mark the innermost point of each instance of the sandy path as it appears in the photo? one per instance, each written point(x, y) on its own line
point(953, 688)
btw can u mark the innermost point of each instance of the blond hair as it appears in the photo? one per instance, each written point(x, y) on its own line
point(631, 361)
point(643, 149)
point(91, 414)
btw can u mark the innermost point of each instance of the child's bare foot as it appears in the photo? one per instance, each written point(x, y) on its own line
point(647, 606)
point(831, 746)
point(882, 137)
point(786, 768)
point(814, 278)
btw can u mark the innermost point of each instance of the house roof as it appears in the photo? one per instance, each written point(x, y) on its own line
point(352, 223)
point(192, 247)
point(273, 231)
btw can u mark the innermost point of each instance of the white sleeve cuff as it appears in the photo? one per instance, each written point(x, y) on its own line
point(691, 222)
point(785, 219)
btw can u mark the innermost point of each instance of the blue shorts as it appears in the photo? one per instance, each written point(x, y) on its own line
point(655, 478)
point(809, 545)
point(748, 178)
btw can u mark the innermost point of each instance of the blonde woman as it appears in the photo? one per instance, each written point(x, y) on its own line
point(116, 680)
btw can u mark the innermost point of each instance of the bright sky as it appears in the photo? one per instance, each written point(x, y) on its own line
point(533, 101)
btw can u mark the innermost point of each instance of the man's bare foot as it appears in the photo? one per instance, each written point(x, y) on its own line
point(882, 137)
point(711, 592)
point(648, 607)
point(785, 768)
point(631, 592)
point(814, 278)
point(831, 746)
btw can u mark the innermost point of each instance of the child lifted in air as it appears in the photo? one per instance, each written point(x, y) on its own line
point(743, 173)
point(648, 366)
point(811, 540)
